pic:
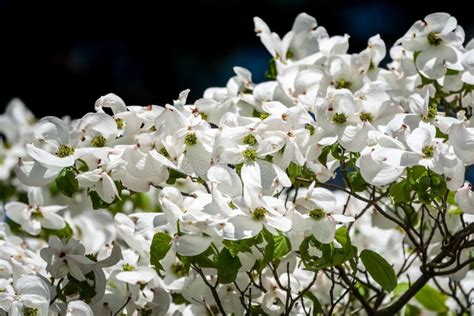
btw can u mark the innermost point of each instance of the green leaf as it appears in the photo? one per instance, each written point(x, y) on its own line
point(174, 175)
point(66, 182)
point(379, 269)
point(294, 171)
point(347, 252)
point(267, 252)
point(400, 192)
point(282, 246)
point(97, 202)
point(227, 267)
point(412, 310)
point(271, 72)
point(316, 304)
point(357, 182)
point(431, 299)
point(323, 156)
point(160, 246)
point(236, 246)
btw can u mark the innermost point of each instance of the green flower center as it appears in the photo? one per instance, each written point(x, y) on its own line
point(317, 214)
point(232, 205)
point(30, 311)
point(178, 269)
point(249, 139)
point(343, 84)
point(366, 117)
point(264, 116)
point(203, 116)
point(434, 39)
point(127, 267)
point(250, 154)
point(120, 123)
point(190, 139)
point(428, 151)
point(64, 151)
point(259, 213)
point(339, 118)
point(432, 112)
point(36, 214)
point(98, 141)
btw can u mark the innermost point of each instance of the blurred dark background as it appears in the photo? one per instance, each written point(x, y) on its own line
point(60, 58)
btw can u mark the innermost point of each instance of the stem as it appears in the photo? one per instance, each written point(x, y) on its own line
point(212, 288)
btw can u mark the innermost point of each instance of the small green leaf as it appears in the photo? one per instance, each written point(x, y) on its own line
point(379, 269)
point(400, 192)
point(317, 310)
point(412, 310)
point(66, 182)
point(227, 267)
point(431, 299)
point(282, 246)
point(160, 246)
point(357, 182)
point(236, 246)
point(271, 72)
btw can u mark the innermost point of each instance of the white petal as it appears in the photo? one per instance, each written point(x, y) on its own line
point(462, 140)
point(241, 227)
point(16, 211)
point(191, 245)
point(418, 139)
point(109, 189)
point(31, 284)
point(141, 275)
point(250, 174)
point(78, 308)
point(465, 199)
point(48, 160)
point(227, 180)
point(111, 101)
point(34, 174)
point(355, 137)
point(52, 221)
point(278, 222)
point(323, 230)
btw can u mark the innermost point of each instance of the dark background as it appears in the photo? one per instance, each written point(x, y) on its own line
point(60, 58)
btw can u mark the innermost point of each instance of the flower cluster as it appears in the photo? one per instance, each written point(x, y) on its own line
point(259, 197)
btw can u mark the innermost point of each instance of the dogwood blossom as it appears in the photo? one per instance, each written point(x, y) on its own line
point(337, 186)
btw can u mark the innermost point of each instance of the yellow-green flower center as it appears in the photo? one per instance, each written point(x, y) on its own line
point(190, 139)
point(366, 117)
point(232, 205)
point(203, 116)
point(249, 139)
point(339, 118)
point(259, 213)
point(428, 151)
point(98, 141)
point(343, 84)
point(178, 269)
point(317, 214)
point(127, 267)
point(250, 154)
point(64, 151)
point(120, 123)
point(434, 39)
point(30, 311)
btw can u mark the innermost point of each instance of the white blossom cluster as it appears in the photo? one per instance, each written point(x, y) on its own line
point(85, 200)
